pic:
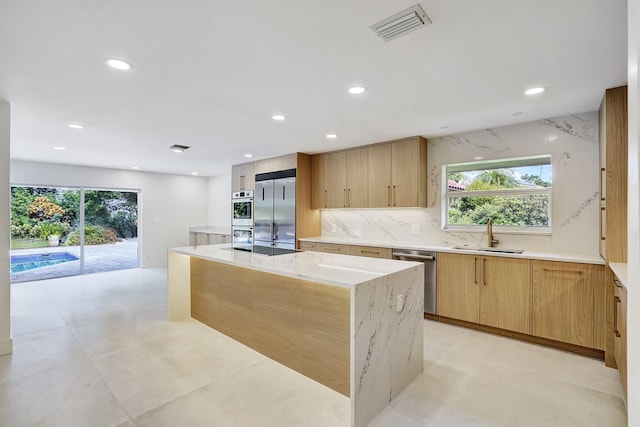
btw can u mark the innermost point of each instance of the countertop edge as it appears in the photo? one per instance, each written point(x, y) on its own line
point(543, 256)
point(621, 272)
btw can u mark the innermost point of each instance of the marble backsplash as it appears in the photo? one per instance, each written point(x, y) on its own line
point(572, 142)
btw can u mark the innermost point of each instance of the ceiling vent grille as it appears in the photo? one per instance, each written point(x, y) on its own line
point(401, 23)
point(179, 148)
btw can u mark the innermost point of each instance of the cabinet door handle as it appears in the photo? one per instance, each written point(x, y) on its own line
point(484, 271)
point(332, 249)
point(388, 195)
point(370, 252)
point(325, 198)
point(616, 331)
point(344, 197)
point(617, 283)
point(394, 195)
point(475, 270)
point(348, 197)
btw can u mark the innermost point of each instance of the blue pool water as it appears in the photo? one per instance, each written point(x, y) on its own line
point(29, 262)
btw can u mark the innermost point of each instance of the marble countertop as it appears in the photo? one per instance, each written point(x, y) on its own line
point(331, 269)
point(620, 270)
point(546, 256)
point(210, 229)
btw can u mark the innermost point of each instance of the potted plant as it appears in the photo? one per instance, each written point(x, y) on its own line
point(51, 232)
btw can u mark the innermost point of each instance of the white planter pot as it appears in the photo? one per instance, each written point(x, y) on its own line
point(53, 240)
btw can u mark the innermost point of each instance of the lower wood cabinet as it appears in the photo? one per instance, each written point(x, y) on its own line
point(569, 303)
point(370, 251)
point(620, 329)
point(492, 291)
point(334, 248)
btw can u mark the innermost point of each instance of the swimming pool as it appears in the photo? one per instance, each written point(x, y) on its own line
point(21, 263)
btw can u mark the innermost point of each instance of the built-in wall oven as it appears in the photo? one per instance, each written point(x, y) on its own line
point(242, 219)
point(242, 205)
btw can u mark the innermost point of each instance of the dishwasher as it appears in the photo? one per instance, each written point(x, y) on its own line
point(429, 260)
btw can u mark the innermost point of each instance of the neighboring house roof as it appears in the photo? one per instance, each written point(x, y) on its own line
point(455, 186)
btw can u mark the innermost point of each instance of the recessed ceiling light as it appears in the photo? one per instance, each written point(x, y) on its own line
point(75, 126)
point(176, 148)
point(517, 113)
point(118, 64)
point(194, 173)
point(534, 90)
point(59, 148)
point(248, 155)
point(356, 90)
point(444, 127)
point(478, 158)
point(331, 135)
point(135, 167)
point(551, 137)
point(278, 117)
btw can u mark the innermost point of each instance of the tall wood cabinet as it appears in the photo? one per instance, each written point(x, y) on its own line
point(392, 174)
point(491, 291)
point(613, 174)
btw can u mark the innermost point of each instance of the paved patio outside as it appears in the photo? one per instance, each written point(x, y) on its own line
point(97, 258)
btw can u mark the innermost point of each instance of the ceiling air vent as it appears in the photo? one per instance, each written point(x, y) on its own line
point(401, 23)
point(179, 148)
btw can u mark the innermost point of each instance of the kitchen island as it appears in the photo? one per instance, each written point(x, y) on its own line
point(353, 324)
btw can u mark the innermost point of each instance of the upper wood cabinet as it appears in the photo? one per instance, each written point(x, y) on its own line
point(340, 179)
point(398, 174)
point(275, 164)
point(358, 178)
point(392, 174)
point(243, 177)
point(492, 291)
point(564, 303)
point(613, 175)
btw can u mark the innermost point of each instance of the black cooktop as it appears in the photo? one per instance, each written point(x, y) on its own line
point(265, 250)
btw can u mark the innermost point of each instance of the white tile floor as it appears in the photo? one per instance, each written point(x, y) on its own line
point(97, 350)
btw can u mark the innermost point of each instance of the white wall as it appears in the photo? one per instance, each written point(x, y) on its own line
point(5, 326)
point(572, 142)
point(633, 295)
point(220, 200)
point(168, 205)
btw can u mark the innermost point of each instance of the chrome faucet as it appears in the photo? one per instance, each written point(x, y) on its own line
point(491, 242)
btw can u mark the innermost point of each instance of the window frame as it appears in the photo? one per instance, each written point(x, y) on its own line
point(483, 165)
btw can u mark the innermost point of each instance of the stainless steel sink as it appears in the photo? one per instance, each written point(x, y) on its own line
point(500, 250)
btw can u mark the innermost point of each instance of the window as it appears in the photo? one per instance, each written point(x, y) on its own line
point(514, 193)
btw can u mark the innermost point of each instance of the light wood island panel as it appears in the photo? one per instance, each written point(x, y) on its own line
point(301, 324)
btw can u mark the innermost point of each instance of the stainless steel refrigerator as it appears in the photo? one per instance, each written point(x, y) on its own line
point(275, 209)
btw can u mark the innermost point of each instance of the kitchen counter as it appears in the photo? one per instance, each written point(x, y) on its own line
point(353, 324)
point(330, 269)
point(545, 256)
point(210, 229)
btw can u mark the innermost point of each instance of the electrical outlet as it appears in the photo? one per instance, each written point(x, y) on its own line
point(415, 228)
point(400, 300)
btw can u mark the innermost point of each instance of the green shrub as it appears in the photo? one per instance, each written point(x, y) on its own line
point(93, 235)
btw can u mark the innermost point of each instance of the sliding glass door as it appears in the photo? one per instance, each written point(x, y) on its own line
point(58, 232)
point(110, 230)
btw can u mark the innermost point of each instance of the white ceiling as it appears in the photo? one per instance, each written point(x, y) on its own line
point(209, 74)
